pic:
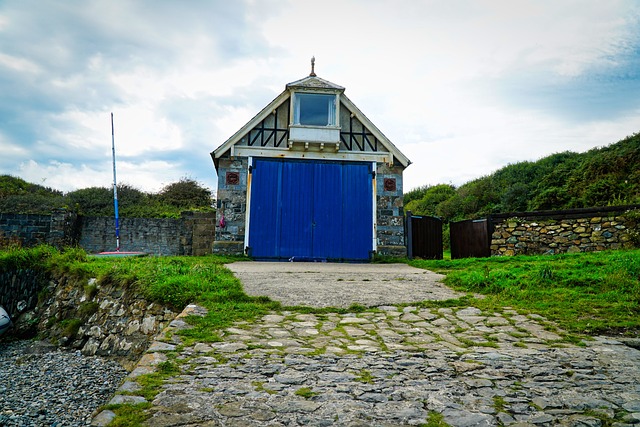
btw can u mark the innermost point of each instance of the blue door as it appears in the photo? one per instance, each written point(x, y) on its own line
point(319, 210)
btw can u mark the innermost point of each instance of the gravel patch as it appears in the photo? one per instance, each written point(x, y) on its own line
point(318, 284)
point(41, 385)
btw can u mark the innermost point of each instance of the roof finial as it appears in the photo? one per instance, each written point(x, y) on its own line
point(313, 66)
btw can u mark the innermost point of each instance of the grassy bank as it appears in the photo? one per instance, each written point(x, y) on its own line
point(173, 281)
point(587, 293)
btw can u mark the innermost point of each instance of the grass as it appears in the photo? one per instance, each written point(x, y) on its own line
point(586, 293)
point(128, 415)
point(70, 327)
point(364, 376)
point(305, 392)
point(435, 419)
point(172, 281)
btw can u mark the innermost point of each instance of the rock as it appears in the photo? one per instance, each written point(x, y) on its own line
point(290, 377)
point(457, 418)
point(103, 418)
point(120, 399)
point(372, 397)
point(632, 406)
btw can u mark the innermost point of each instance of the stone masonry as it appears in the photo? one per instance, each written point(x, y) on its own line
point(192, 234)
point(517, 236)
point(110, 320)
point(390, 211)
point(232, 206)
point(390, 366)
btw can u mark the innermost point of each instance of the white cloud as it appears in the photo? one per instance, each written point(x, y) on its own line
point(456, 85)
point(17, 64)
point(62, 176)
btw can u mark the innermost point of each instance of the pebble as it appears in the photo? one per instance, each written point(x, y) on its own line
point(41, 385)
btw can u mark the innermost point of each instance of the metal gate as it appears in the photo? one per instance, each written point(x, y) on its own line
point(470, 239)
point(424, 237)
point(311, 210)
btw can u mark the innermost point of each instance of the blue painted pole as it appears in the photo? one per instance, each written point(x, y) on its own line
point(115, 186)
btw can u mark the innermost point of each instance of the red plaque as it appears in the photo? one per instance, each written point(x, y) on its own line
point(389, 184)
point(233, 178)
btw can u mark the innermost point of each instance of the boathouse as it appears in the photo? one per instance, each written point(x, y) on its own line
point(310, 177)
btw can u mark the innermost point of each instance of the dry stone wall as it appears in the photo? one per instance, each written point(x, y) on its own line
point(97, 319)
point(19, 289)
point(516, 236)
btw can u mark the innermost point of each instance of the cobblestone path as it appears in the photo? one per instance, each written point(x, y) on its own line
point(393, 366)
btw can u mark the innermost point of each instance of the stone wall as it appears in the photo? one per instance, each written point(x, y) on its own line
point(232, 205)
point(200, 233)
point(30, 230)
point(20, 288)
point(97, 319)
point(516, 236)
point(156, 236)
point(192, 234)
point(390, 211)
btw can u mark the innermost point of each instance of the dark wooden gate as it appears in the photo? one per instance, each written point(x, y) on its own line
point(424, 235)
point(470, 239)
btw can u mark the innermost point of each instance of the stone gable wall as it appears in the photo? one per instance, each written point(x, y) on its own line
point(390, 211)
point(552, 236)
point(232, 205)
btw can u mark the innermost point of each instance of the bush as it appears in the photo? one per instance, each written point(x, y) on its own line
point(185, 194)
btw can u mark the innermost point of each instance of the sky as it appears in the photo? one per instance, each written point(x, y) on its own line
point(461, 87)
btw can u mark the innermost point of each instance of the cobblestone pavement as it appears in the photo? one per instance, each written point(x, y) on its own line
point(392, 365)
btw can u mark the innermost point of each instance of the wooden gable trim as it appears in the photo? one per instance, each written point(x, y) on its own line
point(229, 144)
point(255, 121)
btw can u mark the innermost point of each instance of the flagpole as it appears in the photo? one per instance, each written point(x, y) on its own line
point(115, 187)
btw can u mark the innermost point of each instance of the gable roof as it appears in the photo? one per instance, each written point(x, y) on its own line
point(310, 82)
point(314, 82)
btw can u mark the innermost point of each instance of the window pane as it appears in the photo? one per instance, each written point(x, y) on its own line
point(315, 109)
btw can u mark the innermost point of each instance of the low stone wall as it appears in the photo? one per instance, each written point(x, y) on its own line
point(20, 287)
point(157, 236)
point(516, 236)
point(97, 319)
point(192, 234)
point(200, 234)
point(57, 229)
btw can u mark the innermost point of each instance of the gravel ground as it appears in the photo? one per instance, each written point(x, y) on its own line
point(319, 284)
point(43, 386)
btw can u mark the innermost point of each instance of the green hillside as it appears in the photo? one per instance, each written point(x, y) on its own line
point(600, 177)
point(21, 197)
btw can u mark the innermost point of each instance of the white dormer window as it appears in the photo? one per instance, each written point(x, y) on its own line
point(314, 109)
